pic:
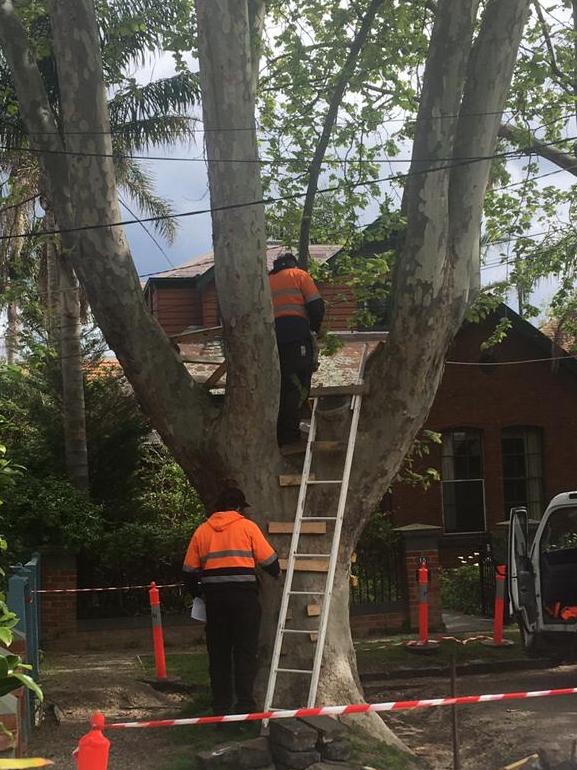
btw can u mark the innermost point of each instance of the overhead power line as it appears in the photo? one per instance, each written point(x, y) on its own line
point(261, 201)
point(520, 151)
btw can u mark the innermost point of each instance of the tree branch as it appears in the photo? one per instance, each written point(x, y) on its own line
point(532, 145)
point(228, 101)
point(489, 76)
point(564, 81)
point(335, 101)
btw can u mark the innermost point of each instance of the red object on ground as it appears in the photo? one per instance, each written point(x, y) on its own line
point(93, 748)
point(356, 708)
point(157, 635)
point(423, 579)
point(499, 604)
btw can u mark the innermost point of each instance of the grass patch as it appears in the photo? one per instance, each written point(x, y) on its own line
point(389, 654)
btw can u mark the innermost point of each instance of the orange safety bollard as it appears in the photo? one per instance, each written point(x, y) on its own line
point(499, 617)
point(424, 643)
point(423, 580)
point(157, 635)
point(94, 747)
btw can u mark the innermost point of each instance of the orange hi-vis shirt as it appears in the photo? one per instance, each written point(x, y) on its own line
point(227, 549)
point(292, 289)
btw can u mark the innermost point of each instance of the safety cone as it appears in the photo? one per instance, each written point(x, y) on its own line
point(93, 748)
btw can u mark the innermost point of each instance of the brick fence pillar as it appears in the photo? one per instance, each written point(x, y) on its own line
point(422, 540)
point(58, 611)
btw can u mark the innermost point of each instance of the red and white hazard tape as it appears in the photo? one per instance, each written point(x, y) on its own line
point(359, 708)
point(89, 590)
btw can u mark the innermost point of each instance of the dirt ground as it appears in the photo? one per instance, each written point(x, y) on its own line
point(79, 685)
point(492, 735)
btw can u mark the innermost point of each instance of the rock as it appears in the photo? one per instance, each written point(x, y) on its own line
point(248, 755)
point(296, 760)
point(334, 766)
point(220, 758)
point(254, 754)
point(292, 734)
point(339, 750)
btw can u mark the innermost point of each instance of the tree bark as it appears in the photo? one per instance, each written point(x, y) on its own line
point(70, 349)
point(12, 332)
point(335, 101)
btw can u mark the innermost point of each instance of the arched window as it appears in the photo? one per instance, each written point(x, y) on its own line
point(462, 481)
point(522, 453)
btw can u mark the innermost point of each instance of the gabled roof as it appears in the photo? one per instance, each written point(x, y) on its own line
point(201, 266)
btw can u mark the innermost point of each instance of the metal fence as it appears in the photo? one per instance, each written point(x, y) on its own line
point(378, 577)
point(23, 599)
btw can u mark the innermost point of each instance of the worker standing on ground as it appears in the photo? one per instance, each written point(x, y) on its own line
point(220, 565)
point(298, 310)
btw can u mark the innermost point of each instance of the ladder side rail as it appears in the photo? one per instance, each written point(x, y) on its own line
point(277, 647)
point(356, 403)
point(334, 556)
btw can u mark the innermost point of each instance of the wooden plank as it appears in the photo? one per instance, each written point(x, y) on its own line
point(307, 528)
point(293, 479)
point(328, 446)
point(314, 636)
point(193, 360)
point(313, 610)
point(210, 333)
point(216, 376)
point(307, 565)
point(298, 448)
point(339, 390)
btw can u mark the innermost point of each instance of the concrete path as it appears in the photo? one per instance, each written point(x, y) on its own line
point(457, 623)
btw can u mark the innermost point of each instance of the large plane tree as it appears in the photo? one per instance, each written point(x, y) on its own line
point(471, 56)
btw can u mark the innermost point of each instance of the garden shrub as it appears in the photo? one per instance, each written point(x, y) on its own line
point(461, 588)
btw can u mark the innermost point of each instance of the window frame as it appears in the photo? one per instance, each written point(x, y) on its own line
point(479, 433)
point(521, 430)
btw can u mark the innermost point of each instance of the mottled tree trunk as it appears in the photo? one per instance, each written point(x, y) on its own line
point(70, 349)
point(437, 273)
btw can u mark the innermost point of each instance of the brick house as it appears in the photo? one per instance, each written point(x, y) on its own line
point(509, 430)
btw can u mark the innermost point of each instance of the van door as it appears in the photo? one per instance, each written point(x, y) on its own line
point(521, 575)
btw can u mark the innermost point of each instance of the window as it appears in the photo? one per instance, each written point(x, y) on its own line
point(522, 451)
point(462, 481)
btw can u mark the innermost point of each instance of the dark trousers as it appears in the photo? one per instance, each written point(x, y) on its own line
point(232, 627)
point(296, 370)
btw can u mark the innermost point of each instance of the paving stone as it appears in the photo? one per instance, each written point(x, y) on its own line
point(296, 760)
point(292, 734)
point(339, 750)
point(327, 727)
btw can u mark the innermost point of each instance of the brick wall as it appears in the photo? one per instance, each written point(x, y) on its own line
point(490, 399)
point(58, 611)
point(379, 623)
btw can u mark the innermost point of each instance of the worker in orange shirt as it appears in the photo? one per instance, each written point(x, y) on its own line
point(298, 310)
point(220, 565)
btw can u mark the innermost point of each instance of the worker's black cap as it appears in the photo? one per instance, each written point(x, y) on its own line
point(287, 259)
point(231, 498)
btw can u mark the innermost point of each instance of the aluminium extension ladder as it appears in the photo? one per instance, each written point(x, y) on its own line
point(294, 553)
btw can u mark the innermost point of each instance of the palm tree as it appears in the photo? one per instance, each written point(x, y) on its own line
point(142, 117)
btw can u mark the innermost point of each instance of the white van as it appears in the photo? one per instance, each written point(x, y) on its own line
point(542, 577)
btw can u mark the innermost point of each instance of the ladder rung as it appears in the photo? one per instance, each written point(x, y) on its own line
point(307, 593)
point(287, 527)
point(318, 518)
point(312, 555)
point(294, 670)
point(325, 481)
point(297, 630)
point(328, 446)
